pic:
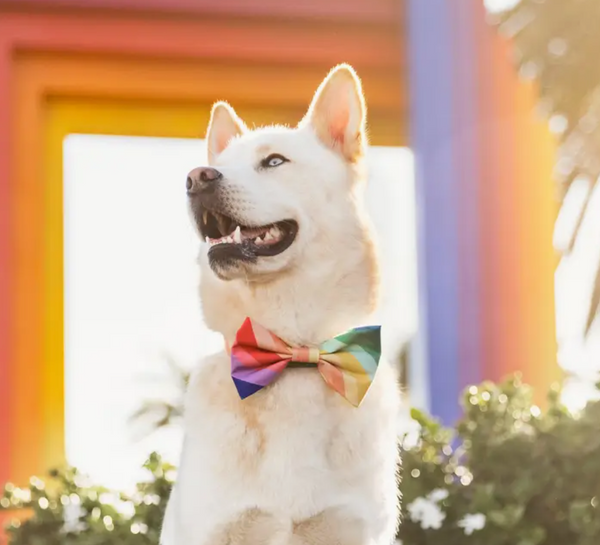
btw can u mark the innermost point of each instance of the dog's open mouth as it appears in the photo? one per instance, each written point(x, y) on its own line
point(225, 235)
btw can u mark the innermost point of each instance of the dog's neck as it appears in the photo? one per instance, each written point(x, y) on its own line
point(305, 306)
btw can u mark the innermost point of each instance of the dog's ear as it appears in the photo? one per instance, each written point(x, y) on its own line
point(223, 126)
point(338, 113)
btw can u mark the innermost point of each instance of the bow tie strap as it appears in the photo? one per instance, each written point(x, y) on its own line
point(347, 362)
point(305, 355)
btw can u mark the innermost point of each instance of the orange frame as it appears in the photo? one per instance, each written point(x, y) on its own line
point(135, 74)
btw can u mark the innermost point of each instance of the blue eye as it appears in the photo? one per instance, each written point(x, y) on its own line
point(273, 160)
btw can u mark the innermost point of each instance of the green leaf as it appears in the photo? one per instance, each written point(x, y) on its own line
point(532, 536)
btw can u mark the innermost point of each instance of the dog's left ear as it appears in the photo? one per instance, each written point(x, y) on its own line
point(338, 113)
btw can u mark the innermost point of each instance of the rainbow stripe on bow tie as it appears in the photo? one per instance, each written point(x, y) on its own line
point(347, 362)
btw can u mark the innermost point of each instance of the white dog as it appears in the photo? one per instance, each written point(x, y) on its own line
point(288, 244)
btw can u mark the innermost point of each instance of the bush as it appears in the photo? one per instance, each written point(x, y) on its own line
point(517, 476)
point(508, 475)
point(70, 511)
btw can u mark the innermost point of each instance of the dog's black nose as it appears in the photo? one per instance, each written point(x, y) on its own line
point(201, 179)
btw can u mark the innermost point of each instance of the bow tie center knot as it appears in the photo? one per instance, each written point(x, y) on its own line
point(305, 355)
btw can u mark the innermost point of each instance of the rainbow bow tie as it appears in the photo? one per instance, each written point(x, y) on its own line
point(347, 362)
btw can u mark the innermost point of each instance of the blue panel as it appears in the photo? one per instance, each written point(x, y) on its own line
point(467, 119)
point(437, 188)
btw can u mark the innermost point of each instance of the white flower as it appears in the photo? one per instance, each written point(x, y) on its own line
point(426, 512)
point(472, 523)
point(438, 495)
point(125, 508)
point(72, 513)
point(108, 498)
point(154, 499)
point(22, 494)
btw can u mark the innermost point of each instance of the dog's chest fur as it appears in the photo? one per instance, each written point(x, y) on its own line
point(295, 448)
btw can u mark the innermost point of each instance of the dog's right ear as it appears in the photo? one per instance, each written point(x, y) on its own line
point(224, 125)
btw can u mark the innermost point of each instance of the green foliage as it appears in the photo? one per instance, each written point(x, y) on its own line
point(507, 475)
point(70, 511)
point(534, 476)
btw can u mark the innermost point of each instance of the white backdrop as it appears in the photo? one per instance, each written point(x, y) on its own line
point(130, 286)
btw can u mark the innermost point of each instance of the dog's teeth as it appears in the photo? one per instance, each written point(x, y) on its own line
point(269, 236)
point(205, 217)
point(237, 235)
point(223, 223)
point(206, 239)
point(258, 240)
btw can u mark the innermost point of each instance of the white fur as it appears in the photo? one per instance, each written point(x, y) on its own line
point(294, 463)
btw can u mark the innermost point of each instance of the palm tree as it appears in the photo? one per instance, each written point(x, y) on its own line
point(557, 42)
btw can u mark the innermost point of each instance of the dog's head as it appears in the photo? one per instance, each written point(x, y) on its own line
point(277, 201)
point(268, 193)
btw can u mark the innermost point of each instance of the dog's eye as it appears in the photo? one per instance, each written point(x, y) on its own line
point(273, 160)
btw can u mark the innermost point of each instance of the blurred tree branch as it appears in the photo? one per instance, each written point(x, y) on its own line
point(161, 413)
